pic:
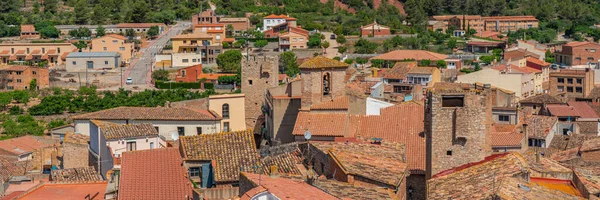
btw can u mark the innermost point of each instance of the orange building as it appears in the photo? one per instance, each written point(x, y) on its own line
point(294, 38)
point(375, 30)
point(114, 43)
point(217, 31)
point(194, 74)
point(510, 23)
point(54, 53)
point(28, 32)
point(18, 77)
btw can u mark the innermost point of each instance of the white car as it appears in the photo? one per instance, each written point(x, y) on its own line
point(129, 81)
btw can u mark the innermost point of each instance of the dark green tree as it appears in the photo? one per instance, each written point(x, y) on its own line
point(82, 13)
point(153, 31)
point(288, 61)
point(160, 75)
point(230, 61)
point(139, 11)
point(33, 84)
point(416, 14)
point(100, 31)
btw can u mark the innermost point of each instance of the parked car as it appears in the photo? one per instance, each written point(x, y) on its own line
point(332, 37)
point(129, 80)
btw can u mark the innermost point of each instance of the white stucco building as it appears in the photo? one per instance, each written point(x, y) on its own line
point(274, 20)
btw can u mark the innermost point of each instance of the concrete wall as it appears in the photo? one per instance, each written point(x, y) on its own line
point(100, 63)
point(77, 155)
point(185, 59)
point(512, 82)
point(111, 44)
point(165, 128)
point(237, 113)
point(98, 146)
point(374, 106)
point(142, 143)
point(285, 112)
point(512, 117)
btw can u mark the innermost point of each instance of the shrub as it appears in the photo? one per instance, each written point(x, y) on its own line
point(176, 85)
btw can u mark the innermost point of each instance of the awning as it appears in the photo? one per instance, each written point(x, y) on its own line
point(29, 57)
point(5, 53)
point(36, 52)
point(12, 58)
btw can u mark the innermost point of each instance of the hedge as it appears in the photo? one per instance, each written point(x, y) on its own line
point(255, 39)
point(209, 86)
point(176, 85)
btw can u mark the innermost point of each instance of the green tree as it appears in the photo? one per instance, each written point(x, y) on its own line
point(84, 32)
point(314, 40)
point(549, 56)
point(49, 32)
point(100, 31)
point(451, 43)
point(416, 14)
point(160, 75)
point(139, 11)
point(342, 49)
point(325, 45)
point(5, 99)
point(341, 39)
point(425, 63)
point(260, 44)
point(80, 45)
point(289, 63)
point(50, 6)
point(33, 84)
point(230, 61)
point(377, 63)
point(153, 31)
point(21, 96)
point(441, 64)
point(36, 7)
point(130, 33)
point(100, 14)
point(229, 29)
point(82, 13)
point(15, 110)
point(363, 46)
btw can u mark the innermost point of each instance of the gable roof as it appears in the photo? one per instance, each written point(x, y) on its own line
point(507, 139)
point(575, 44)
point(338, 103)
point(153, 174)
point(346, 190)
point(541, 99)
point(284, 188)
point(113, 131)
point(537, 61)
point(322, 62)
point(66, 190)
point(399, 70)
point(27, 28)
point(11, 166)
point(591, 145)
point(92, 54)
point(510, 68)
point(150, 113)
point(321, 124)
point(357, 159)
point(120, 37)
point(538, 125)
point(230, 151)
point(272, 16)
point(422, 70)
point(400, 55)
point(76, 174)
point(583, 108)
point(23, 144)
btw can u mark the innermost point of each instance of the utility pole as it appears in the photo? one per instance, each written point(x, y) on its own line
point(121, 77)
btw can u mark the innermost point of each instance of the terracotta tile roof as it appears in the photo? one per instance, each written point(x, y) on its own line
point(322, 62)
point(66, 190)
point(212, 76)
point(287, 163)
point(339, 103)
point(76, 174)
point(539, 126)
point(209, 25)
point(76, 138)
point(10, 166)
point(541, 99)
point(495, 175)
point(399, 70)
point(563, 111)
point(422, 70)
point(487, 34)
point(446, 17)
point(229, 40)
point(519, 53)
point(591, 145)
point(321, 124)
point(583, 108)
point(14, 68)
point(503, 128)
point(150, 113)
point(153, 174)
point(590, 177)
point(12, 195)
point(197, 35)
point(587, 127)
point(138, 25)
point(113, 131)
point(36, 52)
point(24, 144)
point(64, 55)
point(595, 93)
point(400, 124)
point(400, 55)
point(574, 44)
point(345, 190)
point(120, 37)
point(286, 188)
point(272, 16)
point(388, 167)
point(230, 151)
point(537, 61)
point(374, 25)
point(507, 139)
point(516, 69)
point(5, 52)
point(451, 87)
point(509, 18)
point(27, 28)
point(20, 52)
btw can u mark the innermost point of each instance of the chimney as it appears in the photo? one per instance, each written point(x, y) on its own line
point(274, 171)
point(526, 135)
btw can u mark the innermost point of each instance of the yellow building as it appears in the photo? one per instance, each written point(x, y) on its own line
point(114, 43)
point(54, 53)
point(294, 38)
point(231, 108)
point(197, 43)
point(424, 75)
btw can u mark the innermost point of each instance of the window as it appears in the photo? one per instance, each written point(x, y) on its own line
point(194, 60)
point(181, 131)
point(151, 145)
point(43, 50)
point(131, 146)
point(560, 89)
point(122, 48)
point(157, 129)
point(578, 58)
point(34, 72)
point(217, 51)
point(19, 73)
point(579, 89)
point(249, 82)
point(194, 172)
point(183, 73)
point(503, 118)
point(452, 101)
point(579, 81)
point(106, 62)
point(448, 153)
point(225, 126)
point(58, 50)
point(225, 111)
point(199, 130)
point(185, 60)
point(18, 80)
point(74, 63)
point(561, 80)
point(115, 41)
point(218, 36)
point(593, 50)
point(570, 81)
point(12, 51)
point(105, 48)
point(569, 89)
point(590, 58)
point(27, 50)
point(102, 41)
point(326, 84)
point(185, 41)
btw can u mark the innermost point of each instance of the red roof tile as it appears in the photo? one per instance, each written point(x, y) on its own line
point(27, 28)
point(66, 191)
point(339, 103)
point(117, 36)
point(583, 108)
point(153, 174)
point(12, 195)
point(321, 124)
point(151, 113)
point(138, 25)
point(507, 139)
point(322, 62)
point(537, 61)
point(399, 70)
point(20, 52)
point(24, 144)
point(516, 69)
point(284, 188)
point(400, 55)
point(5, 52)
point(574, 44)
point(563, 111)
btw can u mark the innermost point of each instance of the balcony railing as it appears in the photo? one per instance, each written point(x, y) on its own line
point(284, 42)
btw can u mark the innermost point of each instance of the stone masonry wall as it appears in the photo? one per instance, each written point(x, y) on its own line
point(258, 74)
point(75, 155)
point(458, 135)
point(312, 85)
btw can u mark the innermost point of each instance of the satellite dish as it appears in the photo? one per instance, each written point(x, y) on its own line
point(174, 136)
point(569, 132)
point(307, 135)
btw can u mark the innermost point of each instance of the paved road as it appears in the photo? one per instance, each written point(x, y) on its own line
point(332, 51)
point(141, 68)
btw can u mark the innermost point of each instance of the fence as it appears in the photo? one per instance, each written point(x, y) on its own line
point(224, 87)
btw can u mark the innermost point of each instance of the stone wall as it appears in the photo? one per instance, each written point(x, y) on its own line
point(312, 85)
point(416, 187)
point(258, 74)
point(457, 135)
point(45, 156)
point(75, 155)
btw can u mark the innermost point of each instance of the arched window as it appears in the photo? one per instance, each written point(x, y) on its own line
point(326, 84)
point(225, 111)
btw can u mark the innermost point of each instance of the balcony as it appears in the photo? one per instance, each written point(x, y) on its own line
point(285, 42)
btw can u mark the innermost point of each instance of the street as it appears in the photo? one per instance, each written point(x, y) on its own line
point(141, 69)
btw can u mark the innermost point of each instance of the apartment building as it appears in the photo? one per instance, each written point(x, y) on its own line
point(195, 48)
point(572, 83)
point(18, 77)
point(239, 24)
point(140, 27)
point(524, 81)
point(114, 43)
point(457, 21)
point(479, 23)
point(205, 17)
point(64, 29)
point(274, 20)
point(578, 53)
point(54, 53)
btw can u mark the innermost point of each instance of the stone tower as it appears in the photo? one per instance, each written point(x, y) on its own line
point(322, 79)
point(458, 119)
point(258, 74)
